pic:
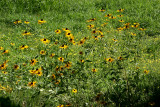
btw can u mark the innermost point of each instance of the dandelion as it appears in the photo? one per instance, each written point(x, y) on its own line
point(101, 10)
point(109, 59)
point(61, 59)
point(45, 41)
point(63, 46)
point(26, 33)
point(42, 52)
point(120, 10)
point(17, 21)
point(108, 15)
point(26, 22)
point(74, 90)
point(94, 70)
point(146, 71)
point(16, 67)
point(52, 55)
point(23, 47)
point(41, 21)
point(58, 31)
point(33, 61)
point(32, 84)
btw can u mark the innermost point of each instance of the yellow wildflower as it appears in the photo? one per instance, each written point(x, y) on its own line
point(42, 52)
point(61, 59)
point(41, 21)
point(45, 41)
point(74, 90)
point(32, 84)
point(26, 22)
point(26, 33)
point(58, 31)
point(17, 21)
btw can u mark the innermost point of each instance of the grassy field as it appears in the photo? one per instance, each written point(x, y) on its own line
point(79, 53)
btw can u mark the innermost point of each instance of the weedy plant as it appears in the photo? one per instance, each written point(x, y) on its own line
point(80, 53)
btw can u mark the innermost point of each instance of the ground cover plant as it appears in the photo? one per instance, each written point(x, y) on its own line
point(79, 53)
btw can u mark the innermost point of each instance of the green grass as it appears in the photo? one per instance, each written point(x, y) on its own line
point(116, 83)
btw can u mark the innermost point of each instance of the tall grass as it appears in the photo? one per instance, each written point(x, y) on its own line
point(103, 79)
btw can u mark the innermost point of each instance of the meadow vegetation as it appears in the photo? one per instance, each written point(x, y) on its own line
point(80, 53)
